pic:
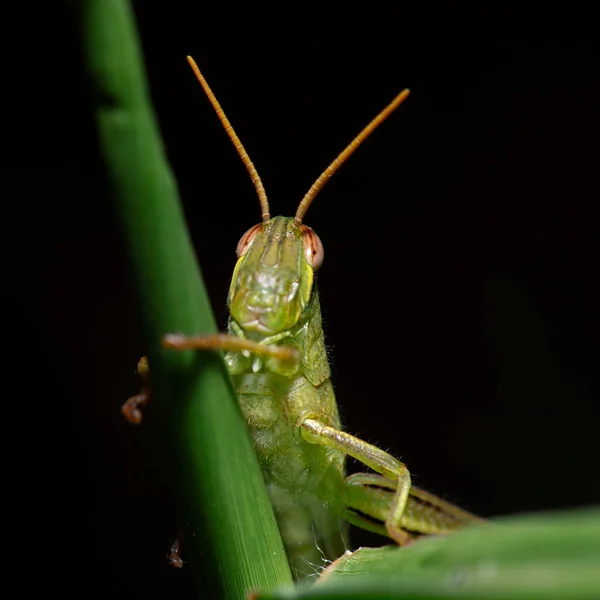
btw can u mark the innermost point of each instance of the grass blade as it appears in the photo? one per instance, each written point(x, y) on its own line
point(542, 556)
point(203, 432)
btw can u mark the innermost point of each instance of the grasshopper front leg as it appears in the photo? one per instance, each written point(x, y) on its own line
point(285, 358)
point(131, 408)
point(315, 432)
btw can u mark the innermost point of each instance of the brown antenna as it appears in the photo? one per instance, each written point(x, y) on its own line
point(260, 189)
point(352, 146)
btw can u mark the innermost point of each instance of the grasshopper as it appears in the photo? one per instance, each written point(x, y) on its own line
point(275, 353)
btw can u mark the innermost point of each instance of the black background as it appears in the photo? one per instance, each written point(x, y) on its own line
point(460, 283)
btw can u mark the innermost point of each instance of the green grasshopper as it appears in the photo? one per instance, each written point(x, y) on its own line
point(275, 352)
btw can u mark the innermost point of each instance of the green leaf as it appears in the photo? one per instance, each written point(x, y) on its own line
point(546, 556)
point(232, 532)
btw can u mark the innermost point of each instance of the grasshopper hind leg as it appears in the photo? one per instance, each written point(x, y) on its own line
point(386, 501)
point(368, 498)
point(316, 432)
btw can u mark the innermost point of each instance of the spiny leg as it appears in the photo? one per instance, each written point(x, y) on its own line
point(131, 408)
point(447, 507)
point(315, 432)
point(451, 512)
point(365, 506)
point(367, 497)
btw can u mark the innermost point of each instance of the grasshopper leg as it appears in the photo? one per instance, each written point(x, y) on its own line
point(231, 343)
point(367, 498)
point(363, 522)
point(315, 432)
point(131, 408)
point(283, 359)
point(453, 515)
point(174, 556)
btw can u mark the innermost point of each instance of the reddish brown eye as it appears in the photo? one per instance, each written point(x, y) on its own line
point(313, 247)
point(246, 240)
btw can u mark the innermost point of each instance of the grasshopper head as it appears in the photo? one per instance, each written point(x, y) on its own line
point(273, 278)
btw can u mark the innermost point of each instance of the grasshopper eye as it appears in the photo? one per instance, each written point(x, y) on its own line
point(246, 240)
point(313, 247)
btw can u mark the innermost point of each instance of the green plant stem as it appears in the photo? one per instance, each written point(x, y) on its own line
point(208, 449)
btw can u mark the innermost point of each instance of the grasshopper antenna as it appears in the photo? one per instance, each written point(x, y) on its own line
point(260, 189)
point(352, 146)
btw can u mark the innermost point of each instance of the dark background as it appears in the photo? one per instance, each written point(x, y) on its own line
point(460, 283)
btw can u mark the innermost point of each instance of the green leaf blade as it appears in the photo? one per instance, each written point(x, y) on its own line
point(554, 556)
point(207, 449)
